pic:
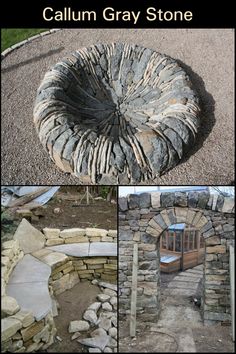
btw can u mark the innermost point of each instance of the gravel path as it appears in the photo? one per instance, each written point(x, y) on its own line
point(207, 56)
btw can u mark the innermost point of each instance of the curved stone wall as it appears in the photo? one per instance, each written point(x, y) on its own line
point(33, 274)
point(143, 218)
point(116, 113)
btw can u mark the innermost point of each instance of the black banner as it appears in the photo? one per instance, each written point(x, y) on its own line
point(114, 14)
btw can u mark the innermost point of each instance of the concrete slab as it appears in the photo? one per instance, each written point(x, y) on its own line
point(28, 270)
point(72, 249)
point(32, 296)
point(30, 239)
point(103, 249)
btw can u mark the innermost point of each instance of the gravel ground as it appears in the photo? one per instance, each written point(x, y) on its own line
point(206, 54)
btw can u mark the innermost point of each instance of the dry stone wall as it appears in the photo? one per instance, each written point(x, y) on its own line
point(143, 218)
point(21, 331)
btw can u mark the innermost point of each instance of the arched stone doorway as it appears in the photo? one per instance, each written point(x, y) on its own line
point(142, 220)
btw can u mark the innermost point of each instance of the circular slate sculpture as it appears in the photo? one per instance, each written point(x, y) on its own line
point(116, 113)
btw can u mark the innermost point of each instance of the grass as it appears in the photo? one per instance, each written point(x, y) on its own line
point(10, 36)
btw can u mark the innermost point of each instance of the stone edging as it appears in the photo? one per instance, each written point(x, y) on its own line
point(28, 40)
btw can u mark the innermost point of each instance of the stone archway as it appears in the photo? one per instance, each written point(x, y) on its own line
point(144, 217)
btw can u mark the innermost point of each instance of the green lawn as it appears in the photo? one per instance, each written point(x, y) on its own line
point(10, 36)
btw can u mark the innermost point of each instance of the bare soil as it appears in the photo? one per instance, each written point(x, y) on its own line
point(67, 209)
point(72, 303)
point(99, 214)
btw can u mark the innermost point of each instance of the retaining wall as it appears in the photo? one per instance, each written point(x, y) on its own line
point(20, 330)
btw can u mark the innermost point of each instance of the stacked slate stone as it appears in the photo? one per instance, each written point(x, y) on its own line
point(116, 113)
point(100, 320)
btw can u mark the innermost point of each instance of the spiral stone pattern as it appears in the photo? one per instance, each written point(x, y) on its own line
point(116, 114)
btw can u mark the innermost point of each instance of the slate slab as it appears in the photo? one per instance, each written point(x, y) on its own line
point(30, 239)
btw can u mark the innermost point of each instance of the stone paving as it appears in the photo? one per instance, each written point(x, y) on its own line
point(178, 316)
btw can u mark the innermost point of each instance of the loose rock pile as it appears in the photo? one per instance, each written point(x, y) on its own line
point(100, 320)
point(116, 113)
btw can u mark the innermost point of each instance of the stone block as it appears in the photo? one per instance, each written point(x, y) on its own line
point(155, 232)
point(106, 239)
point(55, 259)
point(167, 199)
point(228, 228)
point(216, 316)
point(54, 241)
point(30, 239)
point(90, 232)
point(202, 222)
point(211, 257)
point(180, 199)
point(156, 199)
point(9, 306)
point(165, 217)
point(62, 284)
point(211, 241)
point(9, 326)
point(74, 279)
point(8, 253)
point(155, 225)
point(228, 205)
point(209, 233)
point(112, 233)
point(181, 214)
point(197, 218)
point(95, 260)
point(123, 205)
point(26, 318)
point(68, 269)
point(150, 236)
point(133, 201)
point(136, 236)
point(62, 267)
point(95, 239)
point(110, 266)
point(76, 239)
point(203, 198)
point(51, 233)
point(216, 249)
point(144, 200)
point(72, 232)
point(12, 244)
point(5, 261)
point(190, 216)
point(133, 214)
point(192, 199)
point(160, 221)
